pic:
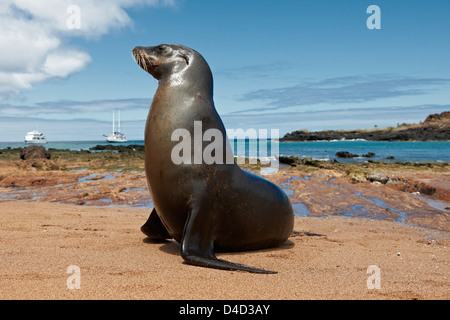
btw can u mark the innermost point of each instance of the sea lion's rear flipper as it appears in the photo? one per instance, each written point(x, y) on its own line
point(197, 245)
point(154, 228)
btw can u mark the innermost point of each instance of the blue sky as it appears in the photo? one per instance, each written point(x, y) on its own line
point(276, 64)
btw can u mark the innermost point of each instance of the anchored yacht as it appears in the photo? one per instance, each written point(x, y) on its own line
point(116, 136)
point(35, 137)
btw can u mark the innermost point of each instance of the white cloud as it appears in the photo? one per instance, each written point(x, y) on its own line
point(33, 33)
point(65, 62)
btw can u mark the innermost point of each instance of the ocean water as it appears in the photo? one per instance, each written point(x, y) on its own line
point(432, 151)
point(429, 151)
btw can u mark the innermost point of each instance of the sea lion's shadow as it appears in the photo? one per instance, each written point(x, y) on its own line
point(167, 246)
point(174, 248)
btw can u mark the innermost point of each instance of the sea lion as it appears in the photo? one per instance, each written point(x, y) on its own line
point(206, 207)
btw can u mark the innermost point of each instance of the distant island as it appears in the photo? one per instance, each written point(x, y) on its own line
point(436, 127)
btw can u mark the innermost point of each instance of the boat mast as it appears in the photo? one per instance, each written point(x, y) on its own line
point(113, 123)
point(118, 123)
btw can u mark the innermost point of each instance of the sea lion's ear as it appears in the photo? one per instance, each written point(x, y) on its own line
point(185, 57)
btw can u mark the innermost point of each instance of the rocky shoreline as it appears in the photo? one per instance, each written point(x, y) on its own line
point(436, 127)
point(117, 178)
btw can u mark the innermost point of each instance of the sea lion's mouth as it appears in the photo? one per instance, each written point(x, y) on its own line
point(143, 60)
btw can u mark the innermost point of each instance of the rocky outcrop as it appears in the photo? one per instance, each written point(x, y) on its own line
point(34, 152)
point(441, 117)
point(346, 155)
point(436, 127)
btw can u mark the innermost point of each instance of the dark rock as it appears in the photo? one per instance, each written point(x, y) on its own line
point(288, 160)
point(311, 162)
point(378, 177)
point(369, 155)
point(294, 161)
point(12, 185)
point(34, 152)
point(426, 189)
point(345, 154)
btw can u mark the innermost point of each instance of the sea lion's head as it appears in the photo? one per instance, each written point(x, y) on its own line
point(164, 59)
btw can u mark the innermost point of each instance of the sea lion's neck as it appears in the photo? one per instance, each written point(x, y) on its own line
point(172, 97)
point(195, 79)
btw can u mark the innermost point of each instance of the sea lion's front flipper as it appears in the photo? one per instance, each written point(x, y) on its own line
point(197, 245)
point(154, 228)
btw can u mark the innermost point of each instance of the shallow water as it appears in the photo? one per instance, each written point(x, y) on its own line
point(90, 177)
point(300, 209)
point(375, 209)
point(380, 203)
point(437, 204)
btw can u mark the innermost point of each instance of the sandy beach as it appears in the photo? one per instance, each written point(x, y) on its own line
point(39, 241)
point(357, 239)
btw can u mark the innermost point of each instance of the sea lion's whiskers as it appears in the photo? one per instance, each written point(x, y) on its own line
point(143, 63)
point(140, 60)
point(146, 62)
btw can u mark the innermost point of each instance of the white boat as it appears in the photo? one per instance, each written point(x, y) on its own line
point(35, 137)
point(116, 136)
